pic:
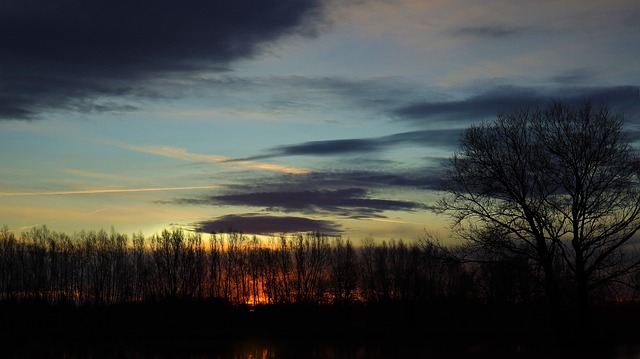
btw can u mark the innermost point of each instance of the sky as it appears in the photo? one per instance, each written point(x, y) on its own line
point(270, 116)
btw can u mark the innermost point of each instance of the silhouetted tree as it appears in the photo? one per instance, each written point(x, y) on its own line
point(367, 277)
point(179, 263)
point(434, 267)
point(256, 277)
point(311, 256)
point(35, 266)
point(285, 271)
point(141, 272)
point(560, 185)
point(344, 271)
point(376, 276)
point(237, 268)
point(9, 265)
point(100, 253)
point(214, 268)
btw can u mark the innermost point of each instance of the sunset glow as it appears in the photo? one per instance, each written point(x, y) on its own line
point(279, 116)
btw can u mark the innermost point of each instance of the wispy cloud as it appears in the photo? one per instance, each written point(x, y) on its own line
point(347, 202)
point(442, 138)
point(488, 103)
point(100, 191)
point(492, 31)
point(386, 220)
point(252, 223)
point(93, 174)
point(27, 227)
point(99, 210)
point(182, 154)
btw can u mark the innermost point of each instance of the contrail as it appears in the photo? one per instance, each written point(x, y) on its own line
point(385, 220)
point(26, 227)
point(98, 191)
point(98, 210)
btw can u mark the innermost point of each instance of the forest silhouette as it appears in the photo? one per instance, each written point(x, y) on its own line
point(101, 268)
point(547, 201)
point(185, 286)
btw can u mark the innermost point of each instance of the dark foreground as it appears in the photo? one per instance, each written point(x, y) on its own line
point(214, 330)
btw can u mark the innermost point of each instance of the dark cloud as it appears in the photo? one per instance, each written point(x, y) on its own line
point(572, 77)
point(331, 147)
point(633, 136)
point(347, 202)
point(443, 138)
point(485, 104)
point(625, 99)
point(400, 98)
point(429, 179)
point(252, 223)
point(67, 54)
point(492, 31)
point(419, 179)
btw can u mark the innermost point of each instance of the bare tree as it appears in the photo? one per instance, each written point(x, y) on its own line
point(559, 184)
point(8, 263)
point(343, 271)
point(311, 256)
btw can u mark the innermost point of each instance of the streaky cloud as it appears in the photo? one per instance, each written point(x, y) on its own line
point(492, 31)
point(380, 180)
point(346, 202)
point(331, 147)
point(259, 224)
point(93, 174)
point(490, 102)
point(443, 138)
point(101, 191)
point(182, 154)
point(573, 76)
point(386, 220)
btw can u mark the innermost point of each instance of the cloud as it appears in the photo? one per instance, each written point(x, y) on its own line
point(347, 202)
point(182, 154)
point(489, 103)
point(405, 100)
point(331, 147)
point(296, 94)
point(443, 138)
point(98, 175)
point(491, 31)
point(103, 190)
point(81, 55)
point(251, 223)
point(573, 76)
point(428, 178)
point(379, 180)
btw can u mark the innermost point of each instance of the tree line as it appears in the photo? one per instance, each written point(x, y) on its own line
point(100, 267)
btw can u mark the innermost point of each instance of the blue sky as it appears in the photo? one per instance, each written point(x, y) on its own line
point(269, 116)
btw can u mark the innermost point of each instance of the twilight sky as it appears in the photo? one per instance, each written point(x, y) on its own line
point(279, 115)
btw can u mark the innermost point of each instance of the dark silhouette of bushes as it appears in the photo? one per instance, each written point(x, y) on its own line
point(178, 287)
point(99, 267)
